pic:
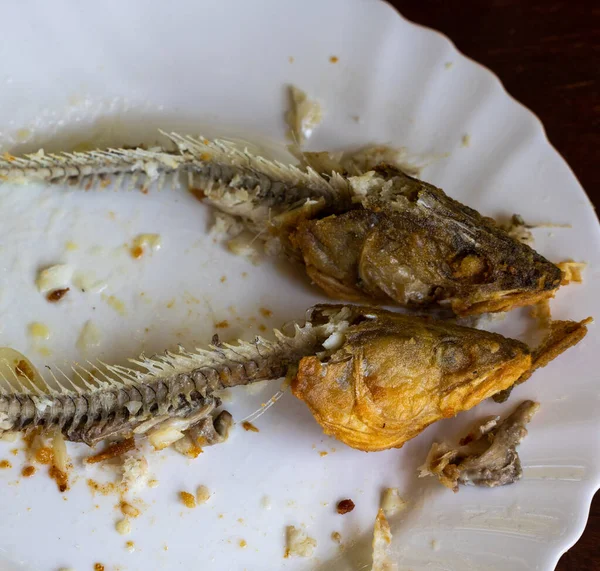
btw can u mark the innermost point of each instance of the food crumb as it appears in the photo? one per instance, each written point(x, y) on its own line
point(382, 538)
point(144, 242)
point(336, 536)
point(244, 274)
point(249, 427)
point(128, 510)
point(44, 455)
point(448, 64)
point(223, 279)
point(4, 464)
point(98, 567)
point(222, 324)
point(466, 140)
point(71, 246)
point(60, 478)
point(27, 471)
point(130, 546)
point(188, 500)
point(243, 544)
point(265, 502)
point(435, 545)
point(265, 312)
point(291, 59)
point(123, 526)
point(298, 543)
point(345, 506)
point(202, 494)
point(112, 451)
point(39, 330)
point(392, 502)
point(57, 294)
point(153, 483)
point(571, 271)
point(53, 277)
point(323, 453)
point(115, 303)
point(334, 59)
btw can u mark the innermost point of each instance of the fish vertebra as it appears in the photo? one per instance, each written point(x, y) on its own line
point(169, 392)
point(372, 378)
point(381, 237)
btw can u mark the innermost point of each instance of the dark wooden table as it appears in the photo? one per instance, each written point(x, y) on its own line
point(547, 54)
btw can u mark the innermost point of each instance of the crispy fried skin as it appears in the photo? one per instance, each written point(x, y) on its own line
point(407, 242)
point(396, 374)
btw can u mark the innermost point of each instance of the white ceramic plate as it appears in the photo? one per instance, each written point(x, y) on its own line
point(112, 73)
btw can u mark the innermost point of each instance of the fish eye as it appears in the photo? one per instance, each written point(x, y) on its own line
point(452, 358)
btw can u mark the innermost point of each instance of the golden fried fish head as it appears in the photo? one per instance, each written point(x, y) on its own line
point(394, 375)
point(411, 244)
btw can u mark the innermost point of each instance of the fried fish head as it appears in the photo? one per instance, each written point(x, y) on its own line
point(394, 375)
point(409, 243)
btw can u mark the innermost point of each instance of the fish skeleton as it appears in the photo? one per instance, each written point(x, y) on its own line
point(372, 378)
point(378, 237)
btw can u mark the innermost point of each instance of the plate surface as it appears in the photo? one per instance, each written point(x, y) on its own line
point(110, 73)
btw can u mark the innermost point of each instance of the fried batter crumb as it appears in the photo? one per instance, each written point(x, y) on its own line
point(57, 294)
point(188, 500)
point(202, 495)
point(123, 526)
point(112, 451)
point(298, 543)
point(27, 471)
point(4, 464)
point(60, 478)
point(345, 506)
point(265, 312)
point(571, 271)
point(336, 536)
point(128, 510)
point(249, 427)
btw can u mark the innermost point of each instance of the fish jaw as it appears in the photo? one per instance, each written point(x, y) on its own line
point(395, 375)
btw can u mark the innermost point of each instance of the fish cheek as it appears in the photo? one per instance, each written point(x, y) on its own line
point(330, 248)
point(326, 389)
point(398, 266)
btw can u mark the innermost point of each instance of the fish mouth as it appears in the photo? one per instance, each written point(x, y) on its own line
point(503, 302)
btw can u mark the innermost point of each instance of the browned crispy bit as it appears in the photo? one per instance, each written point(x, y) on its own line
point(112, 451)
point(57, 294)
point(345, 506)
point(60, 477)
point(249, 427)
